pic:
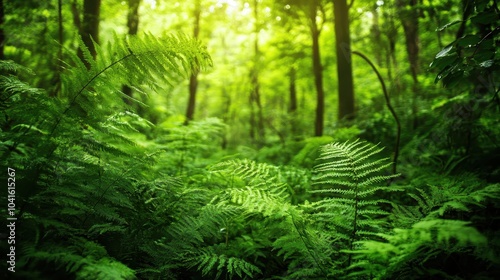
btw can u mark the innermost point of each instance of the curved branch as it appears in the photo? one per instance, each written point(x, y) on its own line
point(389, 106)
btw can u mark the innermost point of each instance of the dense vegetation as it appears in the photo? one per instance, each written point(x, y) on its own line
point(243, 152)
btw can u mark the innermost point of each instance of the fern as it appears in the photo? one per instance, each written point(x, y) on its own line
point(349, 174)
point(429, 232)
point(85, 154)
point(405, 253)
point(185, 146)
point(260, 190)
point(208, 261)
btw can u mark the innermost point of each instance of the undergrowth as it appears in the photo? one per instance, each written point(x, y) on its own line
point(97, 199)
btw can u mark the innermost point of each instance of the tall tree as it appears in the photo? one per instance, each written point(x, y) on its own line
point(409, 15)
point(90, 25)
point(344, 66)
point(292, 89)
point(257, 129)
point(2, 35)
point(296, 12)
point(193, 79)
point(132, 26)
point(60, 39)
point(315, 29)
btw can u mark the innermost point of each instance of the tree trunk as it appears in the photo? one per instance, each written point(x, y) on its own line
point(2, 34)
point(76, 16)
point(409, 19)
point(256, 118)
point(60, 38)
point(132, 26)
point(377, 37)
point(344, 66)
point(392, 63)
point(293, 90)
point(292, 111)
point(193, 79)
point(90, 25)
point(317, 70)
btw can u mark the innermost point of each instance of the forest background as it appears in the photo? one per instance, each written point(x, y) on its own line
point(210, 139)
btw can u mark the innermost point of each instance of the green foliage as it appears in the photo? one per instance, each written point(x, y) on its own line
point(429, 234)
point(115, 186)
point(311, 146)
point(187, 148)
point(76, 159)
point(310, 151)
point(348, 179)
point(406, 252)
point(471, 54)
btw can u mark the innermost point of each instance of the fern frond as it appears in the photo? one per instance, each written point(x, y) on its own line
point(452, 196)
point(409, 249)
point(208, 261)
point(347, 178)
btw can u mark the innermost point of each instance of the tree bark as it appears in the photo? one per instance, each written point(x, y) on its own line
point(293, 90)
point(256, 120)
point(292, 111)
point(2, 34)
point(409, 19)
point(193, 79)
point(317, 69)
point(90, 25)
point(60, 38)
point(344, 66)
point(133, 26)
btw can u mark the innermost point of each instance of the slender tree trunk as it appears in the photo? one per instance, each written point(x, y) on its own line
point(392, 63)
point(377, 47)
point(90, 25)
point(258, 101)
point(257, 117)
point(467, 9)
point(409, 19)
point(76, 16)
point(133, 27)
point(2, 34)
point(292, 111)
point(434, 13)
point(60, 39)
point(193, 79)
point(226, 96)
point(317, 70)
point(252, 118)
point(344, 66)
point(377, 36)
point(293, 90)
point(226, 114)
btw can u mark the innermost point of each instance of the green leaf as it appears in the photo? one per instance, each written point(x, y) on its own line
point(487, 63)
point(448, 25)
point(444, 62)
point(488, 17)
point(445, 52)
point(468, 40)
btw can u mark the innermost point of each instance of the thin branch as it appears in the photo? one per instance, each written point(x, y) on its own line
point(389, 106)
point(350, 4)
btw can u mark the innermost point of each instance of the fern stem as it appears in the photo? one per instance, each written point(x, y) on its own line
point(98, 200)
point(307, 247)
point(355, 178)
point(73, 101)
